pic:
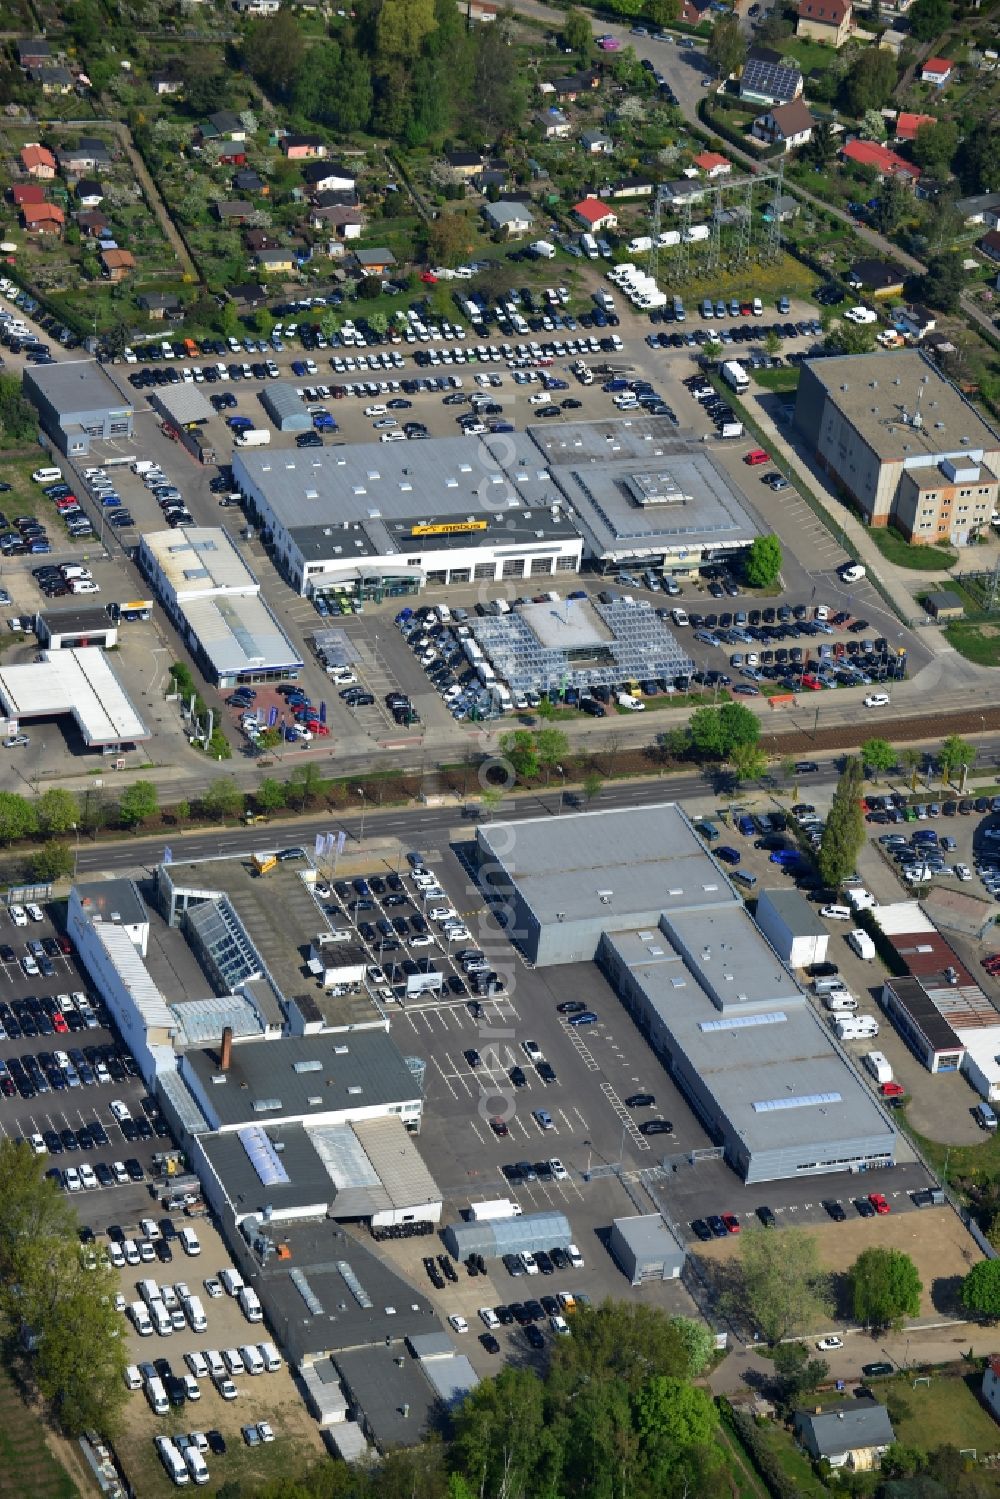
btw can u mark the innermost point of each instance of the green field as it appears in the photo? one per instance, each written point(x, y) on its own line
point(27, 1467)
point(945, 1411)
point(979, 643)
point(781, 380)
point(923, 559)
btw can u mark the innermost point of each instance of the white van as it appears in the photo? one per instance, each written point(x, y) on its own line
point(132, 1377)
point(149, 1291)
point(197, 1466)
point(47, 475)
point(162, 1318)
point(271, 1357)
point(860, 942)
point(195, 1313)
point(232, 1280)
point(252, 1361)
point(679, 616)
point(189, 1241)
point(141, 1319)
point(157, 1396)
point(171, 1459)
point(249, 1304)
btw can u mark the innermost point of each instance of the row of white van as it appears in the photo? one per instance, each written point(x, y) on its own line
point(184, 1466)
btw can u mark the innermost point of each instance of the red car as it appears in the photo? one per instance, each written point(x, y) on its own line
point(499, 1129)
point(992, 962)
point(65, 946)
point(59, 1023)
point(892, 1090)
point(756, 456)
point(878, 1202)
point(428, 277)
point(732, 1223)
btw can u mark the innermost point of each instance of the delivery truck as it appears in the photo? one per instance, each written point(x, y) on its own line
point(736, 377)
point(253, 437)
point(588, 244)
point(496, 1207)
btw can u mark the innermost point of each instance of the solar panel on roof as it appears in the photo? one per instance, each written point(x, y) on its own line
point(761, 77)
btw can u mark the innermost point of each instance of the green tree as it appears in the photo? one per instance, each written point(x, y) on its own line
point(851, 338)
point(18, 418)
point(844, 833)
point(929, 18)
point(593, 783)
point(727, 47)
point(578, 32)
point(369, 287)
point(885, 1288)
point(490, 799)
point(268, 739)
point(621, 1340)
point(272, 52)
point(34, 1215)
point(401, 27)
point(870, 81)
point(223, 798)
point(674, 1420)
point(17, 817)
point(873, 127)
point(748, 762)
point(893, 201)
point(138, 803)
point(822, 146)
point(58, 811)
point(551, 747)
point(333, 87)
point(797, 1374)
point(52, 861)
point(878, 756)
point(941, 286)
point(270, 795)
point(981, 1290)
point(522, 752)
point(780, 1288)
point(218, 745)
point(449, 238)
point(499, 1432)
point(763, 562)
point(740, 727)
point(663, 12)
point(772, 342)
point(81, 1354)
point(953, 754)
point(705, 732)
point(305, 785)
point(935, 147)
point(699, 1341)
point(499, 91)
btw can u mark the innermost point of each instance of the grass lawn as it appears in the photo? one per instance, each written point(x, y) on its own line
point(979, 643)
point(783, 277)
point(808, 54)
point(980, 1161)
point(946, 1410)
point(794, 1462)
point(784, 379)
point(26, 1464)
point(924, 559)
point(739, 1468)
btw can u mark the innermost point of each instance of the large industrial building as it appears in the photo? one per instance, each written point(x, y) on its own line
point(215, 602)
point(77, 404)
point(518, 506)
point(638, 892)
point(902, 442)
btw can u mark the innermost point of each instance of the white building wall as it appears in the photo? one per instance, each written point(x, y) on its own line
point(114, 991)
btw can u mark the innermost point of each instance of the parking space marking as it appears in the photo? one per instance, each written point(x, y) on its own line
point(628, 1123)
point(444, 1079)
point(584, 1052)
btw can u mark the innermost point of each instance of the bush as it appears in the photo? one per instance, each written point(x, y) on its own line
point(773, 1476)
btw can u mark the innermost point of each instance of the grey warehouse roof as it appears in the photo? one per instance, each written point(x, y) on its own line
point(77, 385)
point(796, 912)
point(648, 1236)
point(116, 900)
point(182, 404)
point(639, 485)
point(238, 633)
point(284, 405)
point(307, 1181)
point(277, 1078)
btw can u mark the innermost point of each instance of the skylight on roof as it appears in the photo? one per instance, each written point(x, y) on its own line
point(743, 1022)
point(804, 1101)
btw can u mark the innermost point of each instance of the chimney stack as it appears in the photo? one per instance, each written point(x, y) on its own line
point(227, 1049)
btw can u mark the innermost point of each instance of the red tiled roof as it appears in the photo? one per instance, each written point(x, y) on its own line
point(829, 12)
point(592, 209)
point(27, 192)
point(871, 154)
point(37, 156)
point(42, 213)
point(709, 159)
point(937, 65)
point(908, 124)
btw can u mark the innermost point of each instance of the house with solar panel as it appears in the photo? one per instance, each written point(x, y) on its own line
point(768, 79)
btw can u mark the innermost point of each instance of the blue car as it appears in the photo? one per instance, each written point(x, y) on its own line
point(786, 857)
point(728, 855)
point(745, 824)
point(298, 368)
point(586, 1017)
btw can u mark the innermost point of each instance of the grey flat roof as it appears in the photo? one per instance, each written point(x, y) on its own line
point(309, 1182)
point(648, 1236)
point(182, 403)
point(282, 399)
point(114, 900)
point(796, 912)
point(603, 466)
point(239, 634)
point(92, 621)
point(950, 423)
point(264, 1071)
point(341, 1322)
point(365, 500)
point(77, 385)
point(768, 1062)
point(737, 966)
point(398, 1400)
point(607, 866)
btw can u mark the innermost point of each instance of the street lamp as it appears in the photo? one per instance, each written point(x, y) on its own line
point(360, 791)
point(76, 850)
point(562, 787)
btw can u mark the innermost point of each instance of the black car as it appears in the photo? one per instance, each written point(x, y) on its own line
point(640, 1101)
point(489, 1342)
point(546, 1072)
point(216, 1443)
point(864, 1207)
point(822, 970)
point(571, 1007)
point(835, 1210)
point(104, 1174)
point(457, 986)
point(656, 1127)
point(472, 1057)
point(164, 1253)
point(531, 1332)
point(701, 1230)
point(517, 1077)
point(766, 1216)
point(134, 1169)
point(874, 1371)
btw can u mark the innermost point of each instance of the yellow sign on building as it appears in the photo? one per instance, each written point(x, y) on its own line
point(449, 528)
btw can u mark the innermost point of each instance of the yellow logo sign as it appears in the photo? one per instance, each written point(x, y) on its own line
point(449, 528)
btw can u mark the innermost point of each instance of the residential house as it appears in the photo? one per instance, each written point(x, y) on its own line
point(695, 11)
point(907, 124)
point(553, 124)
point(94, 224)
point(165, 83)
point(375, 262)
point(328, 177)
point(936, 70)
point(826, 21)
point(879, 278)
point(346, 223)
point(53, 80)
point(784, 210)
point(303, 147)
point(684, 190)
point(257, 7)
point(894, 40)
point(327, 208)
point(235, 211)
point(568, 90)
point(89, 193)
point(249, 181)
point(491, 177)
point(33, 54)
point(479, 12)
point(27, 192)
point(43, 218)
point(158, 305)
point(270, 262)
point(630, 187)
point(767, 79)
point(116, 264)
point(232, 156)
point(38, 162)
point(256, 240)
point(464, 164)
point(596, 143)
point(990, 244)
point(224, 125)
point(916, 322)
point(89, 156)
point(982, 209)
point(885, 162)
point(508, 219)
point(595, 215)
point(713, 165)
point(790, 125)
point(853, 1434)
point(248, 296)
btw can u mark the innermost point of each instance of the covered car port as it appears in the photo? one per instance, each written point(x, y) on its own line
point(283, 405)
point(495, 1237)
